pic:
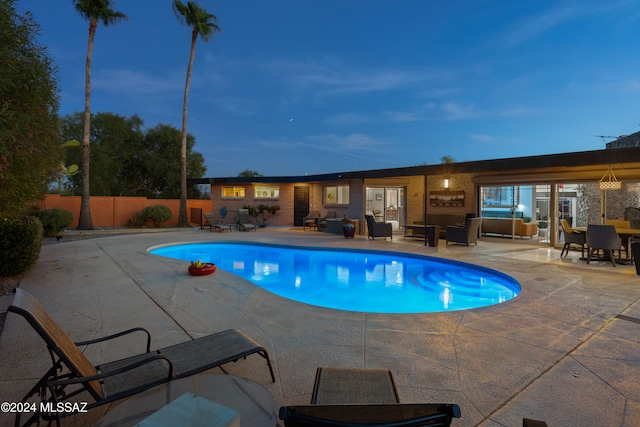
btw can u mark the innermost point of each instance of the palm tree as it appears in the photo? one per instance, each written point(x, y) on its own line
point(93, 11)
point(203, 24)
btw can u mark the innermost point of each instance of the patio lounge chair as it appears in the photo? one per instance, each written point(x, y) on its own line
point(378, 229)
point(572, 237)
point(215, 224)
point(311, 220)
point(464, 234)
point(72, 373)
point(603, 237)
point(244, 223)
point(389, 415)
point(357, 397)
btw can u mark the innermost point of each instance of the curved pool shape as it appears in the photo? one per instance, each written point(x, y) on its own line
point(365, 281)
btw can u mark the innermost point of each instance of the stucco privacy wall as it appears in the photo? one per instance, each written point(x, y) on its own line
point(107, 211)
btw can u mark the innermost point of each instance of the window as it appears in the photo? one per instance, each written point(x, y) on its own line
point(336, 195)
point(502, 197)
point(267, 192)
point(232, 191)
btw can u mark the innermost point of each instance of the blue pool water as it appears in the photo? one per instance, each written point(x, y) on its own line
point(365, 281)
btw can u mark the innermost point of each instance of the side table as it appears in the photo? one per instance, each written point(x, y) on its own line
point(254, 404)
point(418, 231)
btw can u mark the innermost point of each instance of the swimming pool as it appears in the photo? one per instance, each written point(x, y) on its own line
point(356, 280)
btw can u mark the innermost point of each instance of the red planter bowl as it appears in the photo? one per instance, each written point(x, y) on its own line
point(202, 271)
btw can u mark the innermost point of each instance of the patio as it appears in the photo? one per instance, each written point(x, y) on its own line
point(557, 352)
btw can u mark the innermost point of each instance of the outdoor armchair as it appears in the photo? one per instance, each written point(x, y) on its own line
point(464, 234)
point(378, 229)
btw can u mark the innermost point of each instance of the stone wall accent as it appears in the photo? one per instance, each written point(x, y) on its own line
point(588, 203)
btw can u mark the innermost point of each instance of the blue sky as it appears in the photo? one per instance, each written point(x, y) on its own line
point(295, 87)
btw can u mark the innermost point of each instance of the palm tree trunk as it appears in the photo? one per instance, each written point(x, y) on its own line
point(183, 220)
point(84, 221)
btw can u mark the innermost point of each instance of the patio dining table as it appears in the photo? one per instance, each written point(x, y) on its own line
point(625, 234)
point(622, 232)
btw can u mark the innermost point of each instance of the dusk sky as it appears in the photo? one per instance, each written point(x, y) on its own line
point(295, 87)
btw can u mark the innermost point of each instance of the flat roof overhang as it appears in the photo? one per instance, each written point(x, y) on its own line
point(584, 166)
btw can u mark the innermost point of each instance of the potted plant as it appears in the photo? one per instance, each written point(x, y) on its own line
point(348, 228)
point(199, 268)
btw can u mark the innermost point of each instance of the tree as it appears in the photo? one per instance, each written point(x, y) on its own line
point(161, 142)
point(130, 159)
point(116, 149)
point(447, 160)
point(94, 11)
point(30, 147)
point(249, 173)
point(204, 24)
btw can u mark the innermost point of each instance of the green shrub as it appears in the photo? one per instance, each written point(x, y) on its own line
point(20, 243)
point(260, 212)
point(54, 220)
point(137, 220)
point(158, 214)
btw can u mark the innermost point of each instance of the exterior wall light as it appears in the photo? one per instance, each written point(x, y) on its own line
point(446, 183)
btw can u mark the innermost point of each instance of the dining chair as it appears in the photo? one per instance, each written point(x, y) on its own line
point(603, 237)
point(620, 223)
point(571, 237)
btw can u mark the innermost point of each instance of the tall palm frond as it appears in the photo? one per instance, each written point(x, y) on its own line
point(204, 24)
point(94, 11)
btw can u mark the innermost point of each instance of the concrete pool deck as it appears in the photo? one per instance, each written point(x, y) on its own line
point(557, 352)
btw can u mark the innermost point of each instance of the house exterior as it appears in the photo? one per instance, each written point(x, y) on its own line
point(540, 189)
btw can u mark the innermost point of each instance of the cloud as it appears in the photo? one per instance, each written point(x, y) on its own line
point(234, 105)
point(345, 119)
point(347, 143)
point(481, 137)
point(632, 85)
point(354, 144)
point(411, 116)
point(128, 82)
point(331, 77)
point(456, 111)
point(515, 111)
point(560, 14)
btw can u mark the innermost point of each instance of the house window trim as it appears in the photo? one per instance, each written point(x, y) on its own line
point(266, 188)
point(234, 187)
point(327, 203)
